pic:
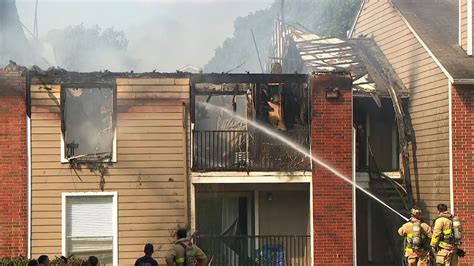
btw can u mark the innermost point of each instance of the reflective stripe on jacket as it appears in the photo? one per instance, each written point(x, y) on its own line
point(406, 230)
point(177, 254)
point(442, 229)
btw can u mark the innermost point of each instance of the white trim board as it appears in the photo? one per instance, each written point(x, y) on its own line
point(192, 201)
point(28, 185)
point(459, 22)
point(238, 178)
point(469, 27)
point(311, 219)
point(356, 19)
point(450, 126)
point(114, 218)
point(354, 197)
point(424, 45)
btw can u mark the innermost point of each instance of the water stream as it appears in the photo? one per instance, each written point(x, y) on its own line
point(303, 151)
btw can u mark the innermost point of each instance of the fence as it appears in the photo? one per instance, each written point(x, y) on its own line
point(237, 150)
point(257, 250)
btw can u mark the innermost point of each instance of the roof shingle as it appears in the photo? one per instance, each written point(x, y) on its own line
point(436, 23)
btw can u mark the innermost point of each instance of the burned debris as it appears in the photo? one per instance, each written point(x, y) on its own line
point(225, 142)
point(88, 122)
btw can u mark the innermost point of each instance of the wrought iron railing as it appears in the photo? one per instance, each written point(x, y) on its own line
point(240, 150)
point(282, 250)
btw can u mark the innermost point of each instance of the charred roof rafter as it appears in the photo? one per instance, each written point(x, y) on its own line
point(248, 78)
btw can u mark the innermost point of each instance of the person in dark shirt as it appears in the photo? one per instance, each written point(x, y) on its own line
point(147, 260)
point(43, 260)
point(33, 263)
point(93, 261)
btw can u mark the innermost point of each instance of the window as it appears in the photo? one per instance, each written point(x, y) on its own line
point(88, 123)
point(90, 226)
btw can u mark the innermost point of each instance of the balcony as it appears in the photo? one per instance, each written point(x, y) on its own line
point(242, 150)
point(224, 141)
point(275, 250)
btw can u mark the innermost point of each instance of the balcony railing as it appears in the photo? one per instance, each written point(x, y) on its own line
point(257, 250)
point(239, 150)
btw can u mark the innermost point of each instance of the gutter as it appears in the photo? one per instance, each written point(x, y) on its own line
point(463, 81)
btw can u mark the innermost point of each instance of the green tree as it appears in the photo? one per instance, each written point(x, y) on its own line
point(324, 17)
point(79, 48)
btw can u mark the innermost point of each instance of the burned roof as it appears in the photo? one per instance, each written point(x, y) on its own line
point(436, 23)
point(371, 71)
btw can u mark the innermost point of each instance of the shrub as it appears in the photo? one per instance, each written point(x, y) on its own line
point(22, 261)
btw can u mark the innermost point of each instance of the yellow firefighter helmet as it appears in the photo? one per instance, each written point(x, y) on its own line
point(416, 212)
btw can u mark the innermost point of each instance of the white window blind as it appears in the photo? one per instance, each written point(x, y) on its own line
point(89, 227)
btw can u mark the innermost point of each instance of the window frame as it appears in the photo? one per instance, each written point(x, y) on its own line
point(114, 219)
point(63, 158)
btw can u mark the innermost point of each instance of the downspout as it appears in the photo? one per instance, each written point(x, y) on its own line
point(28, 164)
point(189, 183)
point(450, 132)
point(189, 164)
point(311, 185)
point(354, 197)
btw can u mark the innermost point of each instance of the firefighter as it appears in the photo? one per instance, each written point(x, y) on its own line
point(447, 235)
point(184, 252)
point(417, 234)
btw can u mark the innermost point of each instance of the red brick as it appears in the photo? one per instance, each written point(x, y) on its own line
point(331, 141)
point(13, 202)
point(463, 164)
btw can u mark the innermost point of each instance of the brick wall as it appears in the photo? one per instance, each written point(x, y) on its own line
point(13, 190)
point(463, 164)
point(332, 197)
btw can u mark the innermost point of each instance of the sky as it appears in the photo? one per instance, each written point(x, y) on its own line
point(163, 34)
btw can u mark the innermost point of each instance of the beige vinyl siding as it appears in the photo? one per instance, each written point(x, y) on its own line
point(295, 222)
point(463, 31)
point(150, 175)
point(428, 106)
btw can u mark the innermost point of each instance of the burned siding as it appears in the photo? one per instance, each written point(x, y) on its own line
point(428, 106)
point(149, 176)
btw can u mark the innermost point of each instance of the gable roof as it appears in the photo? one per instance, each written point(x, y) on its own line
point(436, 24)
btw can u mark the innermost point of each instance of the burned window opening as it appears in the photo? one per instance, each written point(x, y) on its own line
point(223, 142)
point(88, 123)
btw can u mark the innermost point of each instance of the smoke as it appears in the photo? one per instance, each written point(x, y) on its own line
point(13, 43)
point(82, 48)
point(185, 33)
point(131, 35)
